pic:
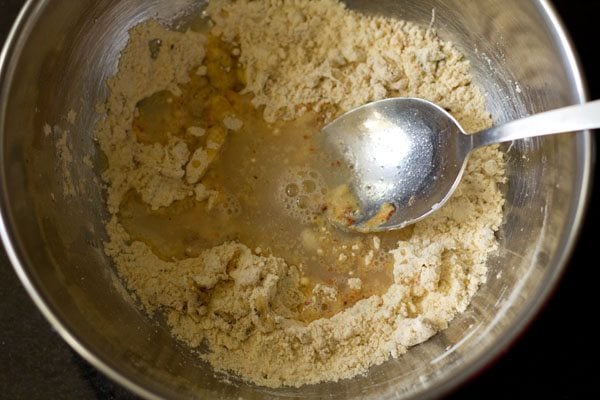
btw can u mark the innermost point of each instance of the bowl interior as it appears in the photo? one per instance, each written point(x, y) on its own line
point(56, 62)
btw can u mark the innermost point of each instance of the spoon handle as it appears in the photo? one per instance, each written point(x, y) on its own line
point(568, 119)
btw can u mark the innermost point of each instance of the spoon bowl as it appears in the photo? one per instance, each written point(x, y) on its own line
point(406, 156)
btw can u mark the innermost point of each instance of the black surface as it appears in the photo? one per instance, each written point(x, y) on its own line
point(553, 359)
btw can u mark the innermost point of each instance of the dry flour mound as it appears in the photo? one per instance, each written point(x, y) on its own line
point(241, 306)
point(311, 55)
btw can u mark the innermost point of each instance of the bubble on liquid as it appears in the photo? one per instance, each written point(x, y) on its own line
point(291, 190)
point(301, 193)
point(303, 202)
point(230, 205)
point(309, 186)
point(382, 259)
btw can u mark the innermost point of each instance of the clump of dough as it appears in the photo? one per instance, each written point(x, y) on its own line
point(153, 170)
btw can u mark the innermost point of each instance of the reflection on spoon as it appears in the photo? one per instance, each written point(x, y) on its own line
point(407, 156)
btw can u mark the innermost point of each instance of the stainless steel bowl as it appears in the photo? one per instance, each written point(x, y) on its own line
point(56, 59)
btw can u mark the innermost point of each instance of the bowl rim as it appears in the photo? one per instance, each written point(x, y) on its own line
point(14, 44)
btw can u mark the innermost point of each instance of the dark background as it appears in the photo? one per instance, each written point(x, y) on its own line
point(553, 359)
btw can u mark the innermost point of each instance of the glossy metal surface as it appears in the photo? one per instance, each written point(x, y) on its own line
point(411, 153)
point(55, 60)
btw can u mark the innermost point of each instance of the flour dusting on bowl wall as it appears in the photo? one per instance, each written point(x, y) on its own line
point(175, 158)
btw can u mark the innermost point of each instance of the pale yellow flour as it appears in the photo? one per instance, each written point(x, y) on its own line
point(241, 306)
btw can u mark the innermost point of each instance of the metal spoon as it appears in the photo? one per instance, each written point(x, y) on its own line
point(407, 155)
